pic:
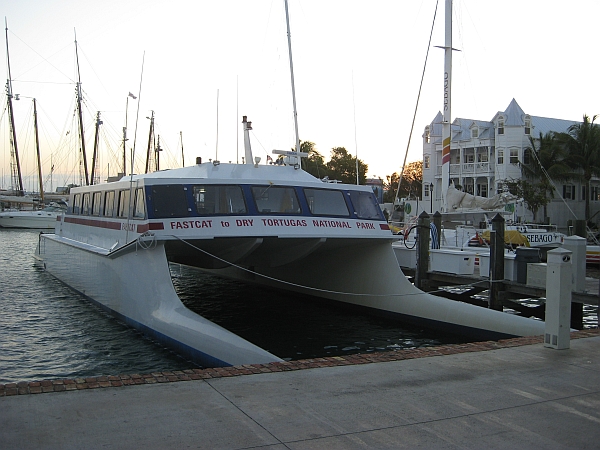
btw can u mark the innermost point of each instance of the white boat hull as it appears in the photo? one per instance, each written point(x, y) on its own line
point(136, 287)
point(28, 219)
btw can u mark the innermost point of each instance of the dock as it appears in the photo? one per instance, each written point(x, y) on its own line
point(472, 288)
point(508, 394)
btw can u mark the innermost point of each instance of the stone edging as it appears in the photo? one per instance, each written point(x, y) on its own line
point(59, 385)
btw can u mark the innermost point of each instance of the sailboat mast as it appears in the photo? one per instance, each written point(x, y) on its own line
point(17, 178)
point(95, 154)
point(150, 139)
point(37, 149)
point(79, 113)
point(447, 119)
point(287, 21)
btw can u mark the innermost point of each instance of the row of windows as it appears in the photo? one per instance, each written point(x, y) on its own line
point(169, 201)
point(110, 203)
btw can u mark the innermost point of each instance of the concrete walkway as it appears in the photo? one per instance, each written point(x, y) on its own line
point(524, 396)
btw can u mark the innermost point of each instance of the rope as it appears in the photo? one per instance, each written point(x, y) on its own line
point(327, 291)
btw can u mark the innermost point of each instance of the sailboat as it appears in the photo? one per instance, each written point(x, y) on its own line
point(31, 218)
point(274, 225)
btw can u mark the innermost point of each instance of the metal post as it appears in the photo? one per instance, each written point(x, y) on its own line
point(496, 263)
point(558, 299)
point(422, 249)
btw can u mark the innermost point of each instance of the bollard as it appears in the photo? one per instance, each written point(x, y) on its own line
point(558, 299)
point(422, 249)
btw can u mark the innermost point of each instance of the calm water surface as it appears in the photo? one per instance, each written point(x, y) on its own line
point(49, 331)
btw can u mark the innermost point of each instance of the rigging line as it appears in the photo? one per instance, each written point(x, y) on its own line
point(327, 291)
point(417, 104)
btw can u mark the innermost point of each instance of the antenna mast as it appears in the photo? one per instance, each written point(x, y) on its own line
point(287, 21)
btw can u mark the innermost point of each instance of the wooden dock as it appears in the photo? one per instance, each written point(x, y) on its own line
point(472, 289)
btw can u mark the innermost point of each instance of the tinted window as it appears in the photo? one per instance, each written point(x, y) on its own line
point(326, 202)
point(219, 199)
point(96, 203)
point(365, 205)
point(170, 201)
point(275, 199)
point(139, 208)
point(123, 203)
point(109, 203)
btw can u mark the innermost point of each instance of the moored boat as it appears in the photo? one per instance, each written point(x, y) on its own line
point(34, 219)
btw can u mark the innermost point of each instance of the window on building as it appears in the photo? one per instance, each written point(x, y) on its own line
point(595, 193)
point(482, 190)
point(475, 133)
point(426, 191)
point(568, 192)
point(527, 156)
point(426, 162)
point(482, 157)
point(514, 156)
point(427, 135)
point(470, 158)
point(501, 126)
point(527, 125)
point(500, 156)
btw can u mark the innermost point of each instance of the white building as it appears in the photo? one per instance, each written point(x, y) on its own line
point(483, 154)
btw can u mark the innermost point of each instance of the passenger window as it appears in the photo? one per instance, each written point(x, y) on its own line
point(327, 202)
point(109, 204)
point(123, 203)
point(96, 203)
point(219, 199)
point(139, 211)
point(77, 204)
point(85, 209)
point(365, 205)
point(170, 201)
point(276, 199)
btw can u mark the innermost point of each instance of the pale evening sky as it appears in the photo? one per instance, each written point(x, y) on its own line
point(357, 71)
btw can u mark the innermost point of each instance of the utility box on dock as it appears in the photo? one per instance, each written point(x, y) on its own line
point(452, 261)
point(577, 245)
point(524, 256)
point(558, 299)
point(510, 266)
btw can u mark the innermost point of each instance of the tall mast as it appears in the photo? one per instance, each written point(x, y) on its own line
point(17, 178)
point(446, 123)
point(81, 135)
point(37, 148)
point(95, 154)
point(150, 139)
point(182, 155)
point(287, 21)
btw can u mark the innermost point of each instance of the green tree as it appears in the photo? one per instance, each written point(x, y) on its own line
point(543, 162)
point(314, 163)
point(581, 143)
point(412, 182)
point(534, 194)
point(342, 167)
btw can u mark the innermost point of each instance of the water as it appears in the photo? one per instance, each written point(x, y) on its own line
point(48, 331)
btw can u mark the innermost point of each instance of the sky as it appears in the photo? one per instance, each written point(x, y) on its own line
point(202, 65)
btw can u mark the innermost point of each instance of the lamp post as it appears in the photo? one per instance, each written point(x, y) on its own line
point(431, 196)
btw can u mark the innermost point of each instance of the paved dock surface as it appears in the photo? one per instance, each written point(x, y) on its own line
point(512, 397)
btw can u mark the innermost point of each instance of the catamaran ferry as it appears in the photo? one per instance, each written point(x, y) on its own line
point(270, 224)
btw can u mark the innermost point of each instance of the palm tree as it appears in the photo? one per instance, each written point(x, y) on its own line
point(581, 143)
point(545, 164)
point(314, 163)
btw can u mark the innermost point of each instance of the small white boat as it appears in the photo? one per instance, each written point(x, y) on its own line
point(34, 219)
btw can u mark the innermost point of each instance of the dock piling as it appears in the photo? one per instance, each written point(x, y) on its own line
point(496, 262)
point(422, 249)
